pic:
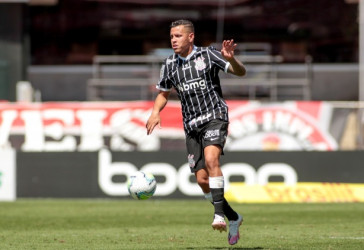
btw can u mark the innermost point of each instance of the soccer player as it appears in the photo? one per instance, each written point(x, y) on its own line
point(193, 72)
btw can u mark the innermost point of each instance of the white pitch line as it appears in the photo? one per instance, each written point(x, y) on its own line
point(347, 238)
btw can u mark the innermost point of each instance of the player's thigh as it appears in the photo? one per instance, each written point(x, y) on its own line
point(212, 155)
point(215, 133)
point(214, 138)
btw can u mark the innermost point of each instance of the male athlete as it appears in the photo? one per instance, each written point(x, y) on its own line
point(193, 72)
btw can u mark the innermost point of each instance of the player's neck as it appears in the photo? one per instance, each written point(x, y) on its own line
point(187, 55)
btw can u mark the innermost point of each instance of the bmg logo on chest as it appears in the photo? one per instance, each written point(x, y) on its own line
point(197, 84)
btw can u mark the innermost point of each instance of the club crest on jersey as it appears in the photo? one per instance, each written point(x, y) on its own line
point(199, 63)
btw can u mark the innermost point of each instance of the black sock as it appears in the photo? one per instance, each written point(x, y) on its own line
point(228, 211)
point(218, 200)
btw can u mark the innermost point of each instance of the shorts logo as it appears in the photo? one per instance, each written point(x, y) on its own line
point(191, 161)
point(211, 133)
point(199, 63)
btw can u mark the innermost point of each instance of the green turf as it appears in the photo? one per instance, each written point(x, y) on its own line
point(181, 224)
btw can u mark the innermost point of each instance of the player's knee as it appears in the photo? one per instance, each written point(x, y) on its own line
point(204, 184)
point(203, 180)
point(211, 162)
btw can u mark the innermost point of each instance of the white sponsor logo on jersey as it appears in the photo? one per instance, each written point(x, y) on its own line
point(197, 84)
point(200, 118)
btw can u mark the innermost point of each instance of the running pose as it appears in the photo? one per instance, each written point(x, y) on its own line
point(193, 72)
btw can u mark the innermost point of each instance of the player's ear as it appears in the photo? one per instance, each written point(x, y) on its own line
point(191, 36)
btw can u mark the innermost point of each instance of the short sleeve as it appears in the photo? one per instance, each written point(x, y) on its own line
point(218, 59)
point(164, 83)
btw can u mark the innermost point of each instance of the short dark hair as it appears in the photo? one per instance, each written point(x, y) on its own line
point(188, 24)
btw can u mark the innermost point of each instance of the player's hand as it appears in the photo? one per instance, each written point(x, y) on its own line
point(153, 121)
point(227, 50)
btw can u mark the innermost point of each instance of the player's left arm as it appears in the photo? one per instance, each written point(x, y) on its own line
point(236, 67)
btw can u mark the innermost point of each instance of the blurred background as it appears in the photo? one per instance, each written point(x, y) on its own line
point(77, 84)
point(59, 39)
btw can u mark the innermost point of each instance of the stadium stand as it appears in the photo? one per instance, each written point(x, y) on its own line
point(134, 77)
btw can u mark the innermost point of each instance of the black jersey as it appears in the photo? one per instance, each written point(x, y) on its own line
point(196, 80)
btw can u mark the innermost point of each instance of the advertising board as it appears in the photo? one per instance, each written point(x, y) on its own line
point(249, 176)
point(275, 152)
point(120, 126)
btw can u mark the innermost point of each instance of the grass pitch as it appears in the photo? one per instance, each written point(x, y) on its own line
point(175, 224)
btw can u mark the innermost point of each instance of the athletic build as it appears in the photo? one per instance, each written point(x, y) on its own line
point(193, 72)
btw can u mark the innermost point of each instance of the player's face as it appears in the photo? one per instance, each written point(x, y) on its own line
point(181, 40)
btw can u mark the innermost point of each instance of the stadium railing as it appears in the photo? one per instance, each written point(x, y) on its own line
point(133, 77)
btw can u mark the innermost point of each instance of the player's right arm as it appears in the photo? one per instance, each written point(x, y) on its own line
point(155, 119)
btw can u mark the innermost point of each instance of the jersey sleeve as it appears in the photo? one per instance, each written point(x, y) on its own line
point(218, 60)
point(164, 83)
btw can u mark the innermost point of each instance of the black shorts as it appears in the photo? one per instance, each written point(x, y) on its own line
point(211, 133)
